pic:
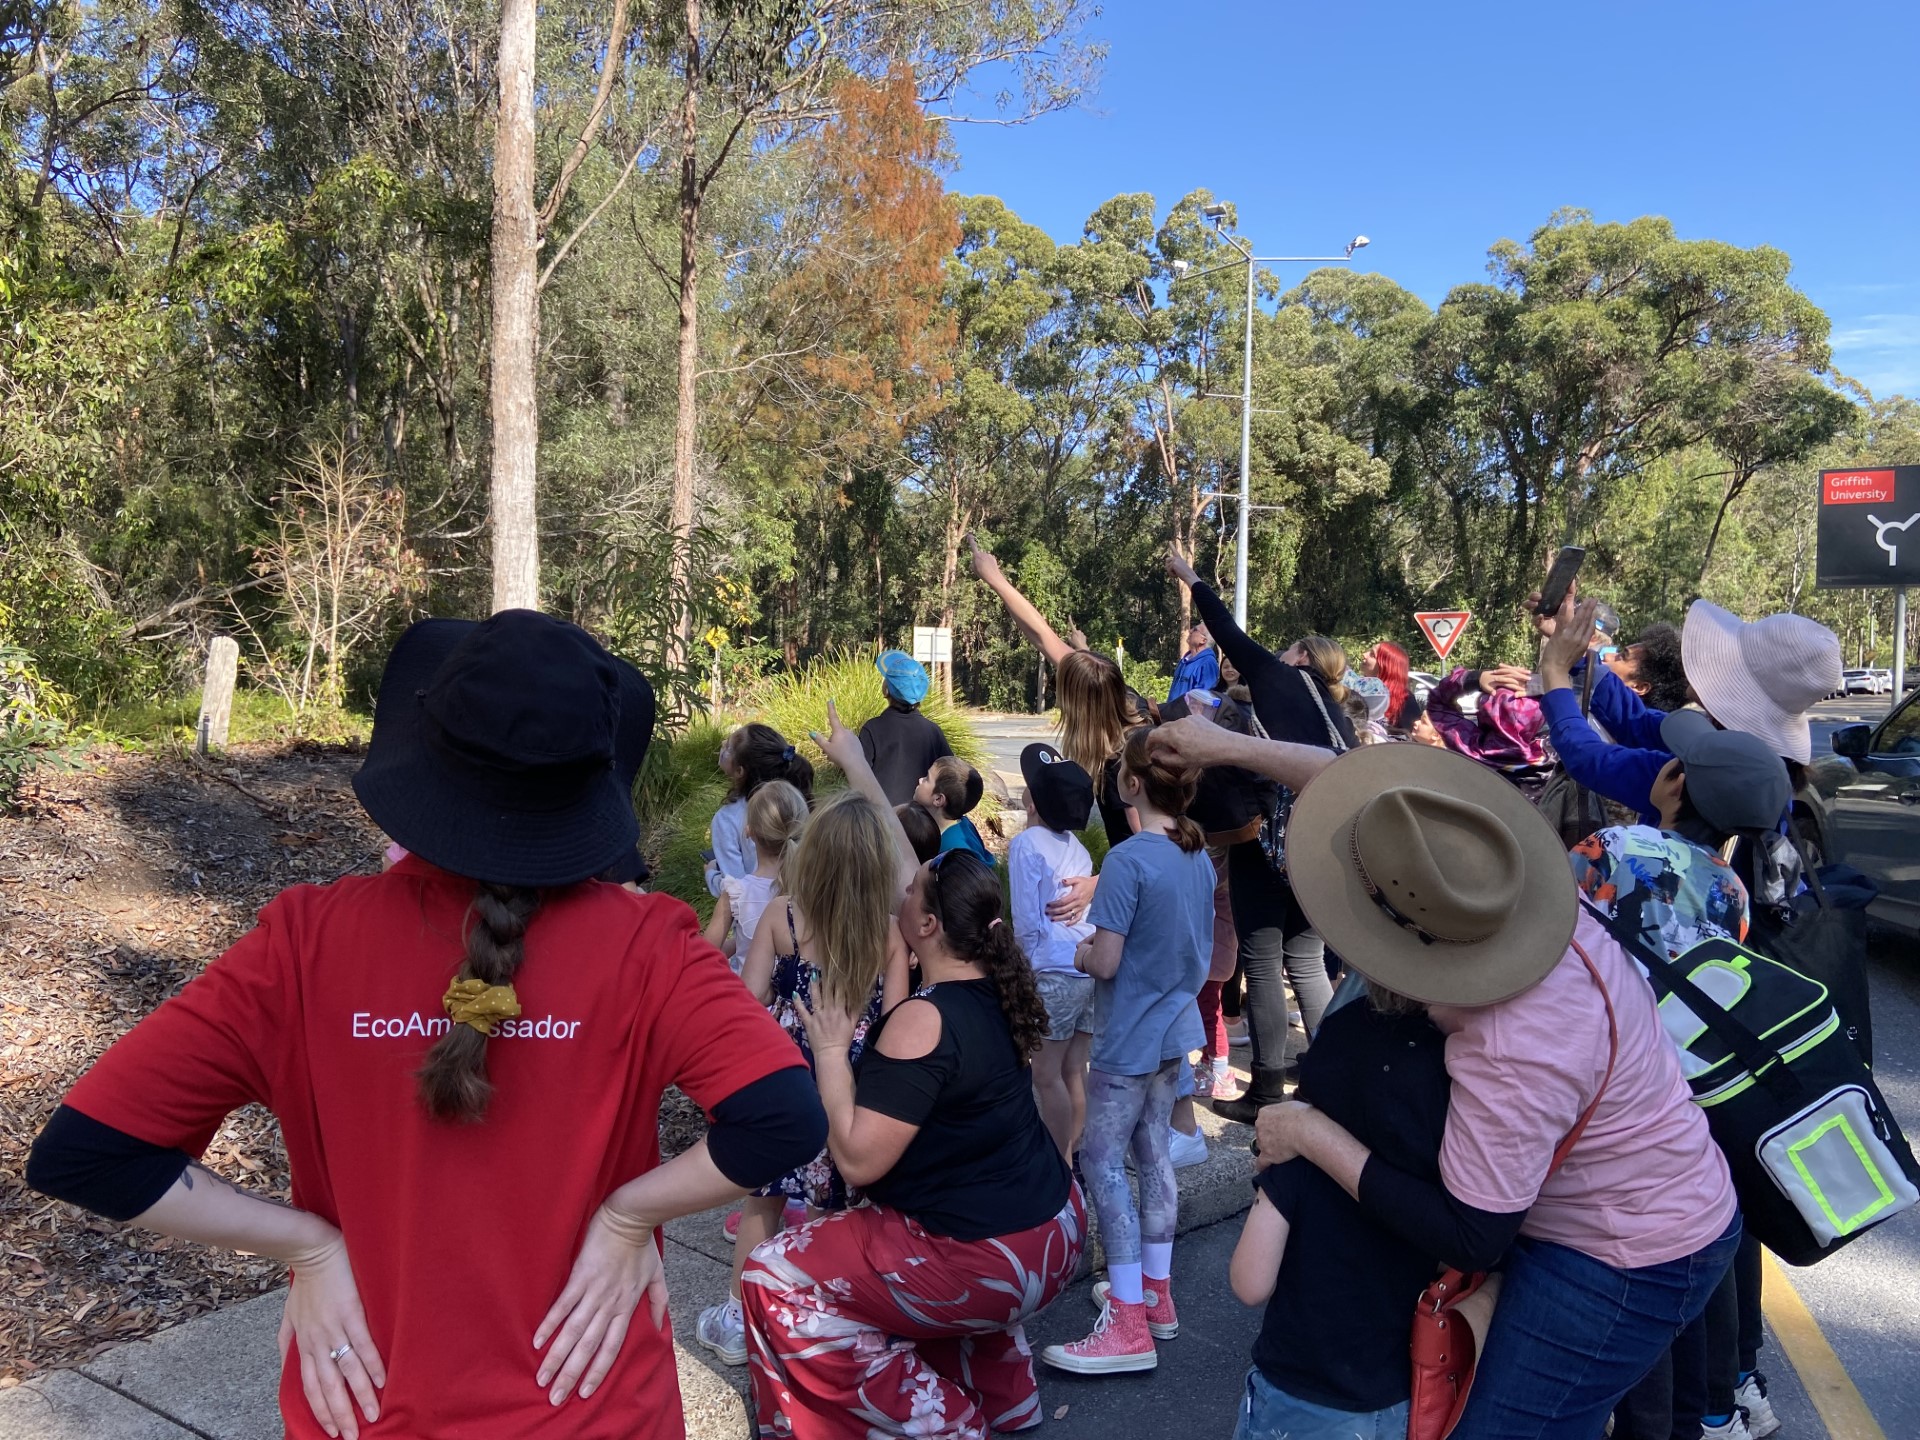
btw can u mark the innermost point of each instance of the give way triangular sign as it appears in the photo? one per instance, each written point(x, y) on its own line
point(1443, 628)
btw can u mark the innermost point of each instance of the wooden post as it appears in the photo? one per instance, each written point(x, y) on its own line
point(216, 697)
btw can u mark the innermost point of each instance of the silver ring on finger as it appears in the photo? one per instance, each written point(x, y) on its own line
point(340, 1352)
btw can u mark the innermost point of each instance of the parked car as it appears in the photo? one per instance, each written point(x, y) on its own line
point(1871, 786)
point(1866, 682)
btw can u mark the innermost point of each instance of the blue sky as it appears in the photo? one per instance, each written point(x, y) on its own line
point(1438, 128)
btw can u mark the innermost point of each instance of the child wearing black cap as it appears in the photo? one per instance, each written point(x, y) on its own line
point(1041, 858)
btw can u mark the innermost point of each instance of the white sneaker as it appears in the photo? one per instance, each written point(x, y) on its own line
point(1734, 1429)
point(723, 1330)
point(1752, 1398)
point(1186, 1149)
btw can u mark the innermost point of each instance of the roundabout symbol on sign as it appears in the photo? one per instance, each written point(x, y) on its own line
point(1443, 628)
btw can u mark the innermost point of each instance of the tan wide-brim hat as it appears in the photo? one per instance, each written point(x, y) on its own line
point(1431, 874)
point(1762, 676)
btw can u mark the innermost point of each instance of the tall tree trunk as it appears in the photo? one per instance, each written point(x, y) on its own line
point(1735, 484)
point(516, 320)
point(686, 413)
point(958, 520)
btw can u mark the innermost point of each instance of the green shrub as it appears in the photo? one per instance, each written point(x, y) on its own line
point(681, 785)
point(33, 730)
point(1146, 678)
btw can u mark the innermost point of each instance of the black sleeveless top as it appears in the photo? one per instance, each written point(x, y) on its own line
point(983, 1164)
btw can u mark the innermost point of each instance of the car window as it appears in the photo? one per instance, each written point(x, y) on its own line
point(1901, 734)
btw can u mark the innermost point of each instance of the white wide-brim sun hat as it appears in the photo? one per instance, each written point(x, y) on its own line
point(1761, 677)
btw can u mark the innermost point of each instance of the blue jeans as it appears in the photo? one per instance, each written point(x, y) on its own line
point(1571, 1336)
point(1269, 1413)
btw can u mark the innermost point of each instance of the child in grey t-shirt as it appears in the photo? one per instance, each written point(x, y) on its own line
point(1153, 937)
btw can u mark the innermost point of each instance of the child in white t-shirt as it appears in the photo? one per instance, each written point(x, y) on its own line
point(776, 815)
point(1042, 857)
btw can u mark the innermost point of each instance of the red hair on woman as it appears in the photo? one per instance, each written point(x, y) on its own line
point(1389, 663)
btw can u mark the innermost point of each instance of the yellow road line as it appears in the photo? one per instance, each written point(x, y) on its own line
point(1834, 1395)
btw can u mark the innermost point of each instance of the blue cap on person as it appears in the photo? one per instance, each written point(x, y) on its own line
point(902, 677)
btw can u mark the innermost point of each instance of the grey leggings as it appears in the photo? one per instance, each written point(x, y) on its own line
point(1131, 1111)
point(1274, 938)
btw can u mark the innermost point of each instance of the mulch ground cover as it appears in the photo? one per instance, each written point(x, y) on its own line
point(118, 883)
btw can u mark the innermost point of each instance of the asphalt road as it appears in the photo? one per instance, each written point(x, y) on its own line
point(1865, 1299)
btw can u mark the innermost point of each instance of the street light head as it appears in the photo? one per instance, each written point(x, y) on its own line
point(1215, 213)
point(1359, 242)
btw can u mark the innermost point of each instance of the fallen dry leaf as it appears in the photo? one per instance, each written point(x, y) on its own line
point(1061, 1413)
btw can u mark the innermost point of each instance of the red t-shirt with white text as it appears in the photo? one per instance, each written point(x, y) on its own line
point(461, 1236)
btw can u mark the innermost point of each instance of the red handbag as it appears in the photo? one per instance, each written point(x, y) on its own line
point(1450, 1321)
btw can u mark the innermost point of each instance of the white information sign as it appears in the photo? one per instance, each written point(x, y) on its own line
point(933, 644)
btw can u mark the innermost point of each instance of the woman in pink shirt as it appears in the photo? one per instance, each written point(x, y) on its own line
point(1436, 878)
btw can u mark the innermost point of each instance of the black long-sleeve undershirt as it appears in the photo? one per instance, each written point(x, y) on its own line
point(759, 1133)
point(1426, 1215)
point(1283, 694)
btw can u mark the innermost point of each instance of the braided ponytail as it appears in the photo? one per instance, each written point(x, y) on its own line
point(1012, 974)
point(1169, 788)
point(453, 1082)
point(964, 895)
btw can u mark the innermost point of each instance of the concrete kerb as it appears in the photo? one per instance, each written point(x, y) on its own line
point(217, 1376)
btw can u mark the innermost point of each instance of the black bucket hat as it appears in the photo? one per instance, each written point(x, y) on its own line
point(497, 745)
point(1062, 791)
point(630, 744)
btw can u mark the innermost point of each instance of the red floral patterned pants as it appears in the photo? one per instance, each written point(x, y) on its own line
point(862, 1325)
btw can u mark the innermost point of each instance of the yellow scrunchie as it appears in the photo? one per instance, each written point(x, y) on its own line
point(476, 1003)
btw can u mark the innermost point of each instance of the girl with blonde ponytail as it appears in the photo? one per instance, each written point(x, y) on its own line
point(776, 816)
point(1149, 956)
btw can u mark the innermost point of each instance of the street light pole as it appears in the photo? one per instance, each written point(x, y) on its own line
point(1242, 529)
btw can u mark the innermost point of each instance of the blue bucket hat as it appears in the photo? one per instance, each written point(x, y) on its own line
point(902, 677)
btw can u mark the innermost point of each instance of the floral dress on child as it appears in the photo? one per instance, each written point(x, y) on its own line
point(818, 1182)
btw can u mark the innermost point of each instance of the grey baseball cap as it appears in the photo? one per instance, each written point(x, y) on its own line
point(1735, 780)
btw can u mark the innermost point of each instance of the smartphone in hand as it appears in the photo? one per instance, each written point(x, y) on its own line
point(1566, 565)
point(707, 855)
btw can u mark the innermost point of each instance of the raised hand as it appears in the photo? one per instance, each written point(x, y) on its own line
point(1178, 567)
point(839, 744)
point(984, 565)
point(1572, 632)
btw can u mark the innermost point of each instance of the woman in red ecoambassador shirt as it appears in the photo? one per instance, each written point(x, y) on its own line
point(466, 1055)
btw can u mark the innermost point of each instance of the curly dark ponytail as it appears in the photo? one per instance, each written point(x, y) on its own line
point(453, 1082)
point(964, 895)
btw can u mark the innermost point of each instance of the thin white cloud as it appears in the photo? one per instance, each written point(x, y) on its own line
point(1881, 351)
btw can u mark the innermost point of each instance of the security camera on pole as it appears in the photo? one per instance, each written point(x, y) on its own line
point(1869, 535)
point(1182, 270)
